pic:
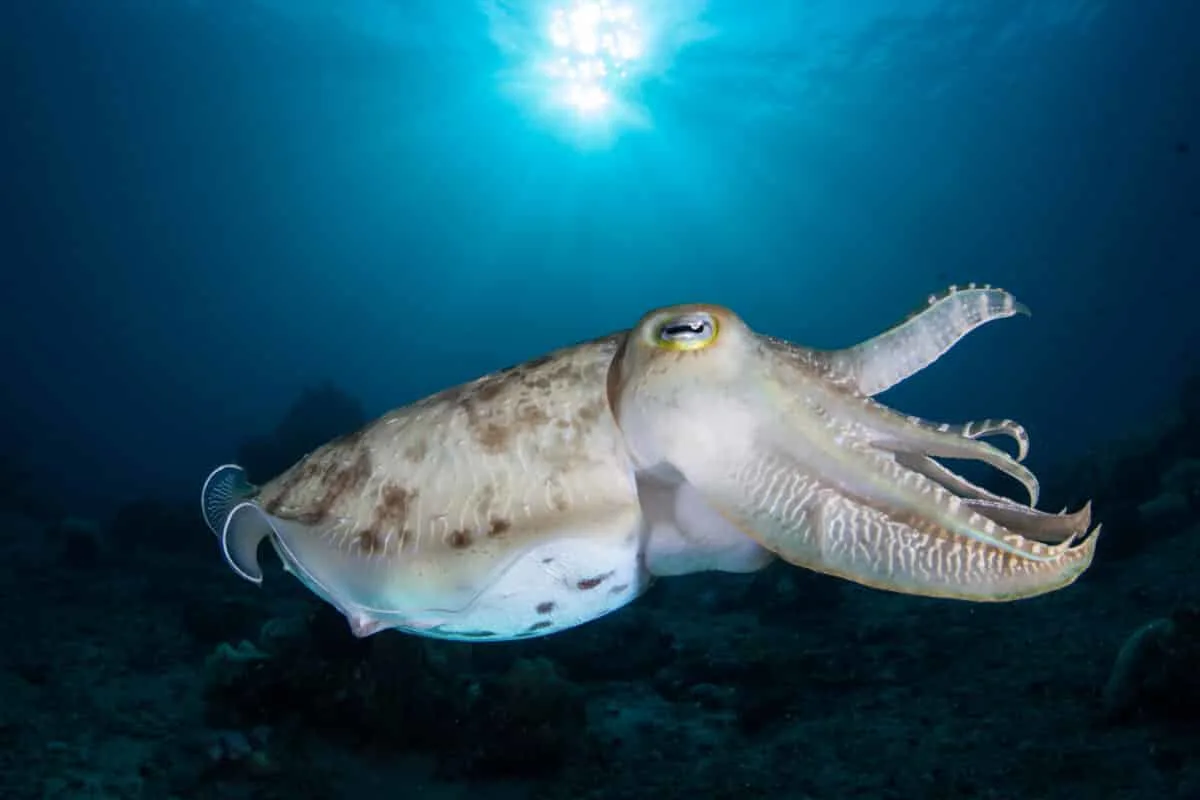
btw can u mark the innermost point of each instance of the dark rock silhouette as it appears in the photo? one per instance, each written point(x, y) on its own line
point(321, 413)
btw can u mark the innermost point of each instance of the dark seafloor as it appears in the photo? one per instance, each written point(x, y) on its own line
point(136, 666)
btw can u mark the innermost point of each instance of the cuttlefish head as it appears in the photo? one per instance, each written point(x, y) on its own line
point(799, 465)
point(680, 382)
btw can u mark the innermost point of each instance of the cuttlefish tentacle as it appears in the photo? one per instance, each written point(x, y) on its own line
point(882, 361)
point(796, 462)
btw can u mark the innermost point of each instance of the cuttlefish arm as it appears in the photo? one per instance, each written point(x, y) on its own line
point(983, 428)
point(915, 440)
point(778, 449)
point(881, 362)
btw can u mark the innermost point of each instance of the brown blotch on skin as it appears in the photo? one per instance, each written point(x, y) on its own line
point(499, 527)
point(545, 608)
point(531, 414)
point(272, 505)
point(367, 542)
point(417, 451)
point(394, 504)
point(493, 437)
point(564, 372)
point(320, 482)
point(356, 475)
point(459, 539)
point(539, 625)
point(313, 515)
point(491, 389)
point(592, 583)
point(454, 395)
point(501, 406)
point(392, 510)
point(591, 412)
point(293, 477)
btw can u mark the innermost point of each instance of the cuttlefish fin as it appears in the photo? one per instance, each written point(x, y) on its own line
point(336, 568)
point(882, 361)
point(224, 488)
point(954, 549)
point(236, 520)
point(315, 554)
point(245, 527)
point(332, 571)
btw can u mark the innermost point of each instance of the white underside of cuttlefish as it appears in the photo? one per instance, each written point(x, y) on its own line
point(547, 495)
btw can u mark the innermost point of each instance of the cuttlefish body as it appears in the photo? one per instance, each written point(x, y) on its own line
point(547, 495)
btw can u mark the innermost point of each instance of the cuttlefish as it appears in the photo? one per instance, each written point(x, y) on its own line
point(549, 494)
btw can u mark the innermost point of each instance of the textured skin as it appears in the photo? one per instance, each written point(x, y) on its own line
point(471, 471)
point(808, 465)
point(420, 512)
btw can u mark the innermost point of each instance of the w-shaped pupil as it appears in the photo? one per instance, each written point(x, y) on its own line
point(683, 329)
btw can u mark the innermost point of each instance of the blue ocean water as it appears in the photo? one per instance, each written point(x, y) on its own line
point(215, 203)
point(212, 205)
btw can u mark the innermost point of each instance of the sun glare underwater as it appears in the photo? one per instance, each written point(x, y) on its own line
point(581, 66)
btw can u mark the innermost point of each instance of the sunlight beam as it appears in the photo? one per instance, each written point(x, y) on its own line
point(582, 65)
point(594, 43)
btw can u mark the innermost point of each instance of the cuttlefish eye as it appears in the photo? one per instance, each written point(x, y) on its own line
point(687, 331)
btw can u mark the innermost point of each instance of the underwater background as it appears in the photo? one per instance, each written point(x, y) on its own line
point(234, 229)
